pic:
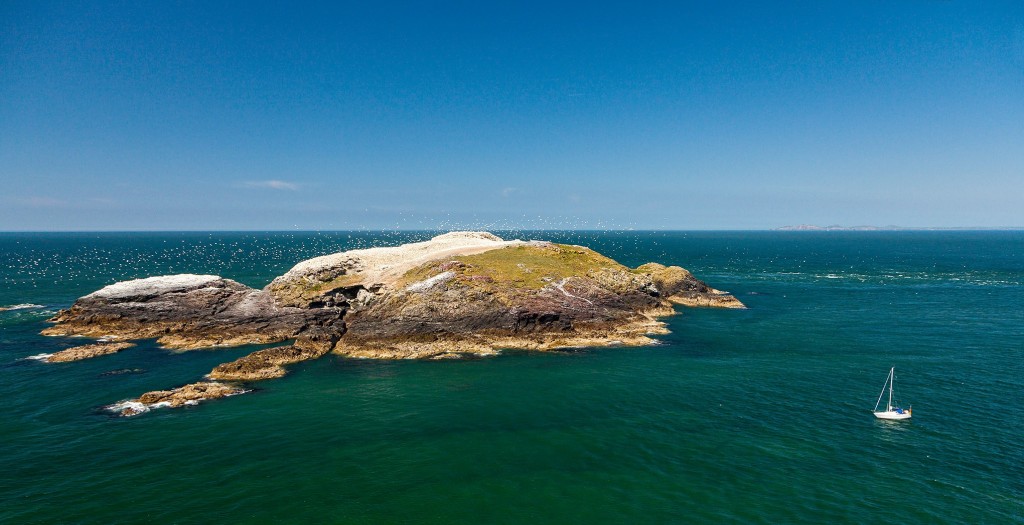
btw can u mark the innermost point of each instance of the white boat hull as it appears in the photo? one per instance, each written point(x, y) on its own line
point(891, 411)
point(892, 414)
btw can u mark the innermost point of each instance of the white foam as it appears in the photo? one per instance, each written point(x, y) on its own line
point(23, 306)
point(39, 357)
point(138, 407)
point(135, 406)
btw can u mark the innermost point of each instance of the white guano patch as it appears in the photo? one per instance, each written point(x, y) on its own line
point(427, 284)
point(385, 265)
point(153, 285)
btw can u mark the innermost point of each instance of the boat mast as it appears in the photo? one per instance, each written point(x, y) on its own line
point(882, 393)
point(892, 377)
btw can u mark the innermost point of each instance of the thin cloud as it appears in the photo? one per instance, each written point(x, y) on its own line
point(272, 184)
point(44, 202)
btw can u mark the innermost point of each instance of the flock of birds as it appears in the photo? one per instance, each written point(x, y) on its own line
point(92, 260)
point(82, 262)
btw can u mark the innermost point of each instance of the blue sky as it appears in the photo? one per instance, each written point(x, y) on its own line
point(712, 115)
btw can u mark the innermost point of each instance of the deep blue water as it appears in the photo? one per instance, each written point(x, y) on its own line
point(753, 416)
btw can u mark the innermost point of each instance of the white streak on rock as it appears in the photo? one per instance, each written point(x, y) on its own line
point(427, 284)
point(560, 285)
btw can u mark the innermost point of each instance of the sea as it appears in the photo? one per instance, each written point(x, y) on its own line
point(760, 415)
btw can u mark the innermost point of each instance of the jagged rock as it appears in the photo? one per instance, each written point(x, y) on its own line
point(681, 287)
point(86, 351)
point(190, 394)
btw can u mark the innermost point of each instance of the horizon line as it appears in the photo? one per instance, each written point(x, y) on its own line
point(783, 229)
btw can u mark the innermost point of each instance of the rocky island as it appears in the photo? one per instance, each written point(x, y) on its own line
point(459, 294)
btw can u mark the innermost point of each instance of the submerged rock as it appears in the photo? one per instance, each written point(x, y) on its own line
point(459, 294)
point(124, 371)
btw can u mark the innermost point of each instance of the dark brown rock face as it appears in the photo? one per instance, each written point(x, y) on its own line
point(193, 311)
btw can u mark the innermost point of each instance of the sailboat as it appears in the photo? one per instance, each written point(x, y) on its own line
point(891, 411)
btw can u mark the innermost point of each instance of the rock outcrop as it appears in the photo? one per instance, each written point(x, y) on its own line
point(192, 311)
point(266, 364)
point(680, 287)
point(86, 352)
point(185, 395)
point(459, 294)
point(532, 295)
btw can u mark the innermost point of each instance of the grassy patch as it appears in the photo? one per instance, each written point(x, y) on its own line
point(342, 281)
point(522, 267)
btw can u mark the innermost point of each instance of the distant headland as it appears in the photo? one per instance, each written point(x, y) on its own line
point(868, 228)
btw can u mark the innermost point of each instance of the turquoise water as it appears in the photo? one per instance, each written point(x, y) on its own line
point(755, 416)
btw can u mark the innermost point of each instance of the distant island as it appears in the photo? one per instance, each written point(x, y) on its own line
point(836, 227)
point(457, 295)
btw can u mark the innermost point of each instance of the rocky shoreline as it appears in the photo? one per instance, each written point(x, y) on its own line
point(459, 294)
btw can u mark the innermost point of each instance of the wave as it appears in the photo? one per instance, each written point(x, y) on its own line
point(887, 276)
point(23, 306)
point(131, 407)
point(39, 357)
